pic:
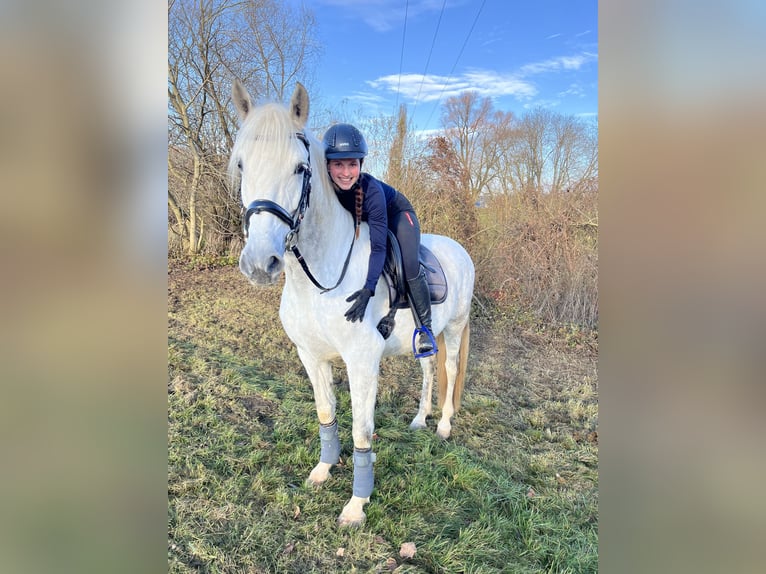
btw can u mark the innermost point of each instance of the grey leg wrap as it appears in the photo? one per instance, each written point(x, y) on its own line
point(363, 476)
point(328, 435)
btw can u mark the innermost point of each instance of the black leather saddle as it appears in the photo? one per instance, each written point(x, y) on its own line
point(393, 272)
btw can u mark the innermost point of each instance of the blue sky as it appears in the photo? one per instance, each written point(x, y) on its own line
point(523, 54)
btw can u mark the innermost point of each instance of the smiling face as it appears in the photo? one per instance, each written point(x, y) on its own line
point(344, 172)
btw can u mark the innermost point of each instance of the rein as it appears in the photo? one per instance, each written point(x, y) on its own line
point(295, 219)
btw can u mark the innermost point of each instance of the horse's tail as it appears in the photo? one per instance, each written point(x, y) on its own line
point(462, 365)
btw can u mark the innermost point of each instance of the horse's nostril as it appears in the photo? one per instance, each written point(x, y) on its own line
point(274, 265)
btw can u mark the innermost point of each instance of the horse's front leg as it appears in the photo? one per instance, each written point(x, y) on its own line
point(424, 410)
point(363, 385)
point(320, 374)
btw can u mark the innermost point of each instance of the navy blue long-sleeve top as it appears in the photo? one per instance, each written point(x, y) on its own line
point(380, 203)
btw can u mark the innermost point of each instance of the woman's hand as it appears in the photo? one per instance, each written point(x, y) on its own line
point(356, 311)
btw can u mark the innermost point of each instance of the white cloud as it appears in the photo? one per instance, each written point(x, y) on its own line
point(372, 102)
point(556, 64)
point(490, 42)
point(422, 89)
point(425, 135)
point(573, 90)
point(419, 88)
point(367, 98)
point(544, 103)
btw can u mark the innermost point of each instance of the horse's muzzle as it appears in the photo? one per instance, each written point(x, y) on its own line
point(265, 271)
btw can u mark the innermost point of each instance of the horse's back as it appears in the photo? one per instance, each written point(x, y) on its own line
point(452, 255)
point(458, 269)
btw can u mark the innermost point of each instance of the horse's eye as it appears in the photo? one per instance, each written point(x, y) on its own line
point(239, 165)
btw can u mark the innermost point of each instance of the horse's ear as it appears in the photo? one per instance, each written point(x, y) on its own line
point(299, 105)
point(241, 99)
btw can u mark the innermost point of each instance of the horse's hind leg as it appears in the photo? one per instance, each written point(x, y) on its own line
point(424, 409)
point(447, 400)
point(320, 374)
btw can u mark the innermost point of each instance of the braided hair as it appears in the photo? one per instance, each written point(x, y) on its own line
point(358, 199)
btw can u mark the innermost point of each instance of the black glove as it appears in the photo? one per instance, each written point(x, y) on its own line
point(356, 311)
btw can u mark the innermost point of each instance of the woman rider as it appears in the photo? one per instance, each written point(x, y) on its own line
point(383, 208)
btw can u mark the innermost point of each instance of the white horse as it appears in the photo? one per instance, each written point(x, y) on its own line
point(295, 224)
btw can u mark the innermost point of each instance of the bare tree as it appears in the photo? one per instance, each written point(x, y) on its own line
point(535, 243)
point(477, 134)
point(553, 152)
point(266, 44)
point(279, 46)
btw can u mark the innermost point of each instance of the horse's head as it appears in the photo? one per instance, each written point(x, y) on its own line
point(271, 160)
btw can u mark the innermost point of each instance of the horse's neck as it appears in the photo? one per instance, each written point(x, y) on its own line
point(325, 235)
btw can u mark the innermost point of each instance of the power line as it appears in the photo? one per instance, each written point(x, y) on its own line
point(431, 51)
point(401, 58)
point(465, 42)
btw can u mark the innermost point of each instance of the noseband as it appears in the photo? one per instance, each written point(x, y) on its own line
point(294, 219)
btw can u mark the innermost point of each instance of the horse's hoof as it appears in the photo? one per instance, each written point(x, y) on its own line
point(319, 475)
point(353, 514)
point(443, 431)
point(418, 425)
point(344, 522)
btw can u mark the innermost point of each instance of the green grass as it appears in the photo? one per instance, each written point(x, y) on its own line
point(513, 490)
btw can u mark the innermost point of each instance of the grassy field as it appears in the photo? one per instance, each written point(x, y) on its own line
point(515, 489)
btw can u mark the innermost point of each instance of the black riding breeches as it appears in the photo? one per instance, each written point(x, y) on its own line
point(406, 227)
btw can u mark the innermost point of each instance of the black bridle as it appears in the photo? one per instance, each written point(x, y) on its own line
point(294, 220)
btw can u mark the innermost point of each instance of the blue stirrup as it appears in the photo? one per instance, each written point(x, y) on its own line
point(428, 332)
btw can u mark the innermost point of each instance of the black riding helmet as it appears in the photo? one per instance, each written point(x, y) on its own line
point(344, 141)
